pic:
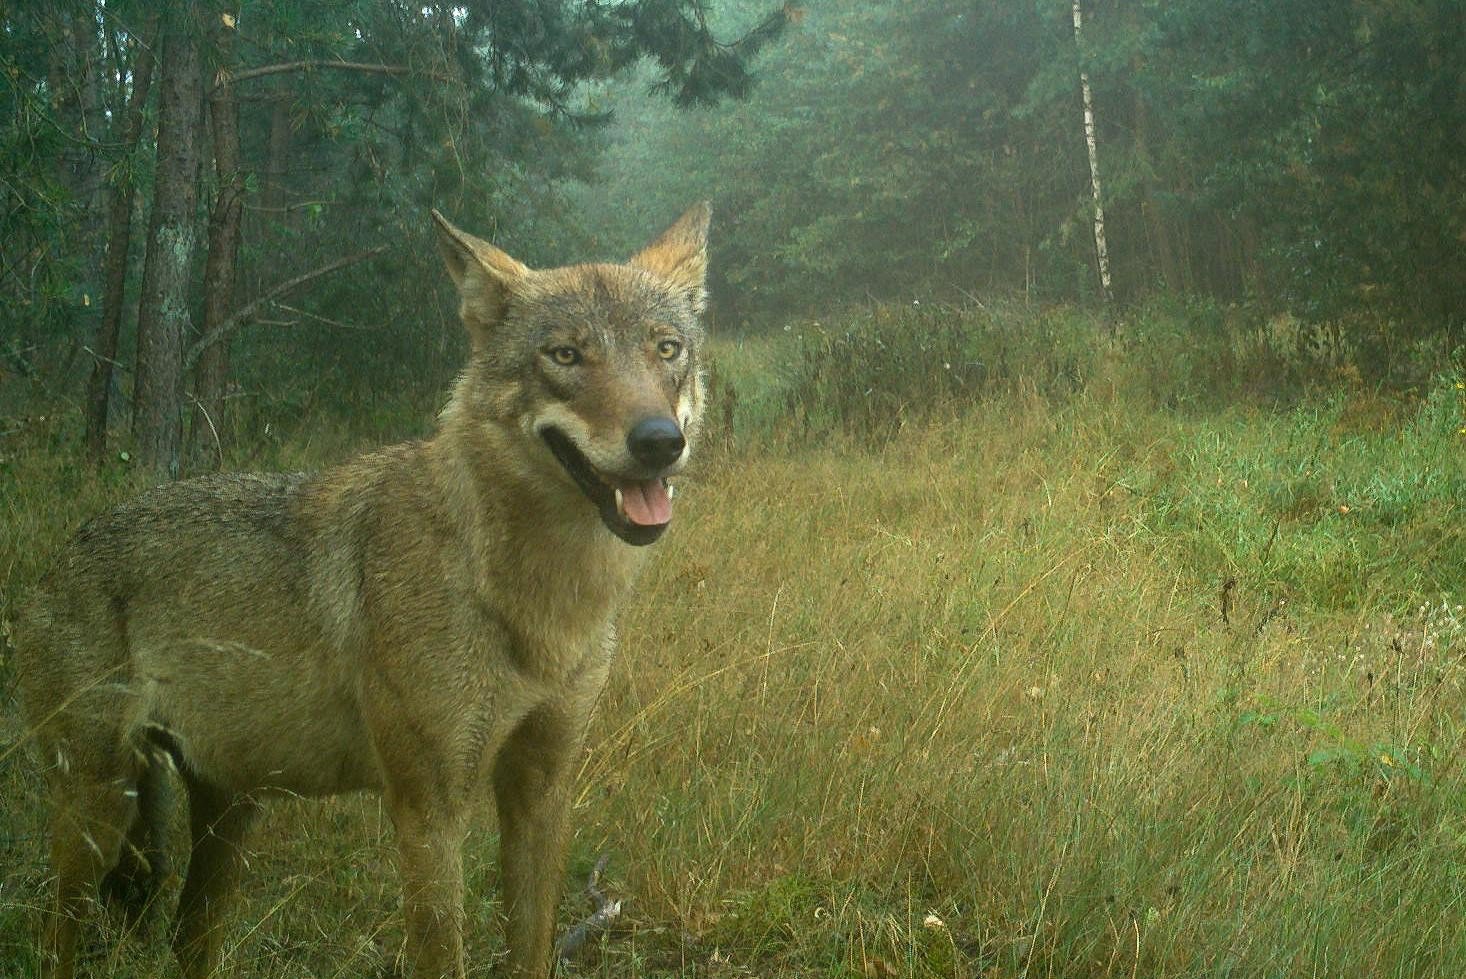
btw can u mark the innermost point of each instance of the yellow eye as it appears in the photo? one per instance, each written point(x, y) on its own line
point(669, 349)
point(565, 356)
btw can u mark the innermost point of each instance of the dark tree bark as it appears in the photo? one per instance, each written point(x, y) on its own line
point(277, 163)
point(163, 312)
point(1156, 219)
point(210, 379)
point(272, 219)
point(119, 242)
point(73, 68)
point(71, 74)
point(84, 66)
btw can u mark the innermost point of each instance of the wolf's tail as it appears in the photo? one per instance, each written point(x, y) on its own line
point(133, 885)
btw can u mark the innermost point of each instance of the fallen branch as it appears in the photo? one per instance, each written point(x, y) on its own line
point(237, 319)
point(606, 911)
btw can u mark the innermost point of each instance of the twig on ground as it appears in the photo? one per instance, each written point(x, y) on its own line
point(1268, 616)
point(606, 911)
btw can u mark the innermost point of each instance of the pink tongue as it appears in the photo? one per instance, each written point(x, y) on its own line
point(646, 503)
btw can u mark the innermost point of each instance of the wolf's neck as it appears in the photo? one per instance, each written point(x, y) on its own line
point(545, 544)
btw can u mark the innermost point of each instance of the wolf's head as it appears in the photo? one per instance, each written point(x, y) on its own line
point(595, 366)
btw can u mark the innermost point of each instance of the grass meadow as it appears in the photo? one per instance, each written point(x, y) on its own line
point(987, 644)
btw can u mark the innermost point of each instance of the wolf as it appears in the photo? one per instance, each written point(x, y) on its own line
point(432, 621)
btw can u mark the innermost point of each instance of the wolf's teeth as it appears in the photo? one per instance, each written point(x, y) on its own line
point(671, 492)
point(620, 502)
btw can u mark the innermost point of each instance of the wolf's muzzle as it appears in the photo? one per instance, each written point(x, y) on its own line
point(635, 509)
point(655, 442)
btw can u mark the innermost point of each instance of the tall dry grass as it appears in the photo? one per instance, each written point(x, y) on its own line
point(984, 674)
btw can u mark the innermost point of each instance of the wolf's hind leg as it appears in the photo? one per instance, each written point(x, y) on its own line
point(88, 823)
point(218, 820)
point(133, 884)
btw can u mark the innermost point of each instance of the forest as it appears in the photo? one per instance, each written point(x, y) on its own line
point(1072, 573)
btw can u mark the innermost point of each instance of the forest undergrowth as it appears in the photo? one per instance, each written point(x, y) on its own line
point(988, 644)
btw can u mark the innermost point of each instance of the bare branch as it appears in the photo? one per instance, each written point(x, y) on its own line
point(226, 77)
point(307, 314)
point(237, 319)
point(300, 206)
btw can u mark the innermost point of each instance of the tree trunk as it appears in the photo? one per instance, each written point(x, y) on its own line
point(89, 61)
point(274, 213)
point(163, 313)
point(72, 70)
point(71, 80)
point(1102, 252)
point(279, 154)
point(119, 241)
point(210, 378)
point(1156, 218)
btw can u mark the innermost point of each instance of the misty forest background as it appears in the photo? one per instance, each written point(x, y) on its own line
point(215, 216)
point(1057, 594)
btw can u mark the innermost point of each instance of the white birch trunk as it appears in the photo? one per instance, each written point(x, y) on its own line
point(1102, 252)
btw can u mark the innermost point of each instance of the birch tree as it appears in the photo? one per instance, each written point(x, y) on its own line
point(1101, 250)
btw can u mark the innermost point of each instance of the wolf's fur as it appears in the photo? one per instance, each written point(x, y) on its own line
point(424, 621)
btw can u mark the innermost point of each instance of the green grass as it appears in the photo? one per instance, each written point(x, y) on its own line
point(1098, 667)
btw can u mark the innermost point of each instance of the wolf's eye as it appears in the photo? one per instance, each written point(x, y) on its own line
point(669, 349)
point(565, 356)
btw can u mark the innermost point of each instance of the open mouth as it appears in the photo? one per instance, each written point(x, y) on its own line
point(635, 510)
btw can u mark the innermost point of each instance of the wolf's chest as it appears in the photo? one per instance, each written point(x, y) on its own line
point(558, 616)
point(552, 649)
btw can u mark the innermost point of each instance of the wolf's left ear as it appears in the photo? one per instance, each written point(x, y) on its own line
point(483, 274)
point(680, 254)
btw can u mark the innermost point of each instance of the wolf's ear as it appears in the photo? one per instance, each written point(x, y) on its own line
point(483, 274)
point(680, 254)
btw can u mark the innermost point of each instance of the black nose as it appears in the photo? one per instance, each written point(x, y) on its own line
point(655, 442)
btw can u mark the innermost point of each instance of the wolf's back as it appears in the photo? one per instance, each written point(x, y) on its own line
point(192, 608)
point(175, 547)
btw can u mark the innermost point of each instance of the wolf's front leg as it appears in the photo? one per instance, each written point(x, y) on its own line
point(532, 780)
point(430, 845)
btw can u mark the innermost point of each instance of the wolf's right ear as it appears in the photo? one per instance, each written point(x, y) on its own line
point(484, 275)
